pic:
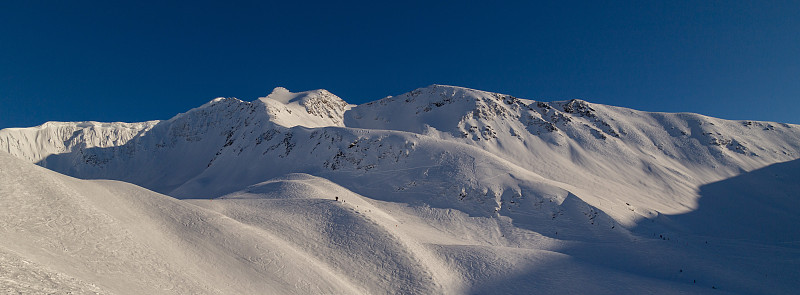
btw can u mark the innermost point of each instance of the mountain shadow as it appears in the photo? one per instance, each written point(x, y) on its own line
point(761, 205)
point(742, 238)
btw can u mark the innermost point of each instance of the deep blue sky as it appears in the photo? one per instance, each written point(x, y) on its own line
point(140, 60)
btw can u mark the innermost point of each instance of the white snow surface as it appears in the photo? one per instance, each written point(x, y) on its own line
point(317, 108)
point(440, 190)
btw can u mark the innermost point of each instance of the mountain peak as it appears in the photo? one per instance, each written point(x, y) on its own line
point(313, 108)
point(446, 87)
point(435, 107)
point(284, 96)
point(448, 90)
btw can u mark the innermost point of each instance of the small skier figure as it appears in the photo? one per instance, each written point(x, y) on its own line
point(337, 199)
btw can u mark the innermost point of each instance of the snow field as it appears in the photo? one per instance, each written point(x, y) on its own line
point(440, 190)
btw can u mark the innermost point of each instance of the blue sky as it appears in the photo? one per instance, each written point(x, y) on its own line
point(142, 60)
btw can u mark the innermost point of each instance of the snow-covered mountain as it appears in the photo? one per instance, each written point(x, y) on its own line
point(482, 183)
point(656, 160)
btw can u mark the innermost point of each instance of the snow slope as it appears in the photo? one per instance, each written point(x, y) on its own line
point(654, 161)
point(113, 237)
point(486, 192)
point(287, 236)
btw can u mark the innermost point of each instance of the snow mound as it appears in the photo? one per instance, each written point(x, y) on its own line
point(119, 238)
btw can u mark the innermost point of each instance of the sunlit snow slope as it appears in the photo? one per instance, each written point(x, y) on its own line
point(442, 189)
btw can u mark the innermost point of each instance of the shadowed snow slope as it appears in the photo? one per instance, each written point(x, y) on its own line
point(760, 205)
point(441, 190)
point(64, 234)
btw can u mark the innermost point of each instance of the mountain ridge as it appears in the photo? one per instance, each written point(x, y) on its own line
point(440, 190)
point(571, 142)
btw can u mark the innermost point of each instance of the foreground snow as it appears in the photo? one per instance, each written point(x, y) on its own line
point(289, 236)
point(440, 190)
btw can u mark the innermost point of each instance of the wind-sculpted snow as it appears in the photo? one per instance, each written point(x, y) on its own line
point(118, 238)
point(37, 143)
point(442, 190)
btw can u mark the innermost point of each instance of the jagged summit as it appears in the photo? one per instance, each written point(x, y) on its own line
point(315, 108)
point(285, 96)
